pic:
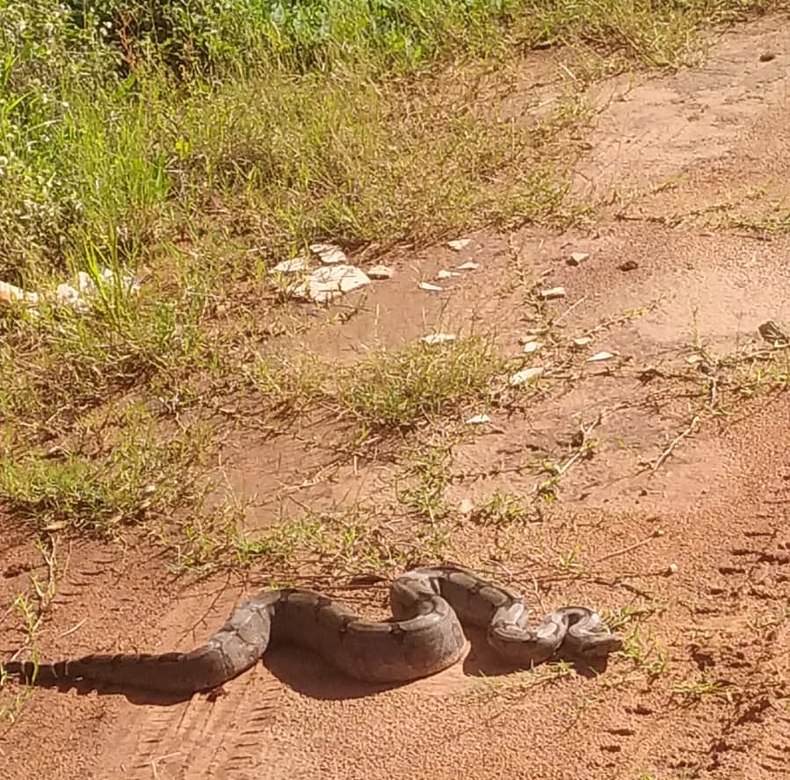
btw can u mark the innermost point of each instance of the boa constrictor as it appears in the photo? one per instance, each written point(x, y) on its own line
point(429, 605)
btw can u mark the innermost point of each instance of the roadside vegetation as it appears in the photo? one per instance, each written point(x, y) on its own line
point(195, 143)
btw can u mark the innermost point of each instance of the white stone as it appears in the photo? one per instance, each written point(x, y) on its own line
point(459, 243)
point(520, 377)
point(599, 356)
point(438, 338)
point(380, 272)
point(531, 346)
point(329, 254)
point(331, 281)
point(10, 292)
point(430, 287)
point(478, 419)
point(554, 292)
point(469, 266)
point(292, 266)
point(446, 274)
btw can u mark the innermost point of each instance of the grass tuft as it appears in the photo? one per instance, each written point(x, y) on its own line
point(138, 478)
point(398, 390)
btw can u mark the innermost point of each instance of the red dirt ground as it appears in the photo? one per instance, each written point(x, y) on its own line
point(703, 691)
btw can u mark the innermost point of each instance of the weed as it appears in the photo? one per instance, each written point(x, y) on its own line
point(502, 509)
point(695, 690)
point(398, 390)
point(31, 610)
point(138, 477)
point(569, 561)
point(289, 384)
point(644, 652)
point(335, 542)
point(420, 485)
point(519, 683)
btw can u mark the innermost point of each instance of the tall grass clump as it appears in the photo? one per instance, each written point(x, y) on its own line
point(114, 113)
point(131, 115)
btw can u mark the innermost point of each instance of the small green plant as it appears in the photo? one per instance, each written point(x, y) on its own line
point(518, 683)
point(399, 390)
point(646, 653)
point(627, 615)
point(30, 609)
point(502, 509)
point(569, 561)
point(421, 485)
point(289, 384)
point(138, 477)
point(695, 690)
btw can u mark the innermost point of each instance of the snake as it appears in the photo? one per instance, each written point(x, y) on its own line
point(424, 636)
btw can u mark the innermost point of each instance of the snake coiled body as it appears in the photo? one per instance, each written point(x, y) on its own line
point(424, 636)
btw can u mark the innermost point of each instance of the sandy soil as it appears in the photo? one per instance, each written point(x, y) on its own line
point(704, 691)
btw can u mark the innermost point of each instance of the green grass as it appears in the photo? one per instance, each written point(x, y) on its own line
point(124, 483)
point(504, 510)
point(398, 390)
point(331, 545)
point(196, 143)
point(59, 364)
point(135, 115)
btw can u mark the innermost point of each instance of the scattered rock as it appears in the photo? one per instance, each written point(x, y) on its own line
point(466, 507)
point(554, 292)
point(478, 419)
point(293, 266)
point(446, 274)
point(767, 56)
point(438, 338)
point(520, 377)
point(459, 243)
point(599, 356)
point(78, 297)
point(582, 342)
point(531, 346)
point(430, 287)
point(65, 293)
point(380, 272)
point(10, 293)
point(330, 282)
point(469, 266)
point(672, 569)
point(628, 265)
point(692, 359)
point(577, 258)
point(87, 289)
point(329, 254)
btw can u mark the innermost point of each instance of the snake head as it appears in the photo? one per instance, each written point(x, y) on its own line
point(588, 637)
point(599, 645)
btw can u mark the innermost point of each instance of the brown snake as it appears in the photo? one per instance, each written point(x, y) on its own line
point(429, 605)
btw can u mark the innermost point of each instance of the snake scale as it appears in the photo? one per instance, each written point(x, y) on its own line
point(424, 636)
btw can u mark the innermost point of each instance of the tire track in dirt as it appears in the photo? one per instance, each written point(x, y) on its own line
point(224, 736)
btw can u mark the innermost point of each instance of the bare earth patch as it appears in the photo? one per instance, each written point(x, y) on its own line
point(667, 506)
